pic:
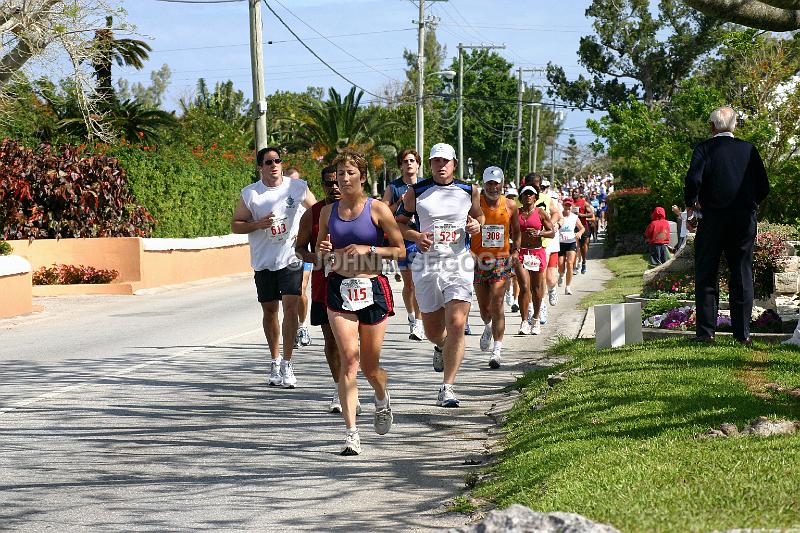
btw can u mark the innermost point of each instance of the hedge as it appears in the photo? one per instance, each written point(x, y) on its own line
point(627, 218)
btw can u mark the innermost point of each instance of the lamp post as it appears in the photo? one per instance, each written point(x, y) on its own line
point(533, 139)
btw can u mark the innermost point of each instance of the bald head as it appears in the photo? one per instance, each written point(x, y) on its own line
point(723, 119)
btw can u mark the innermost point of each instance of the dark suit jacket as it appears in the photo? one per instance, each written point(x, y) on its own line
point(726, 173)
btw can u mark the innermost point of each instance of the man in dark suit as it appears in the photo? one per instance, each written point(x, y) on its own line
point(724, 185)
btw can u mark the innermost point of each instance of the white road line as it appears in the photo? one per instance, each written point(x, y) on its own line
point(70, 388)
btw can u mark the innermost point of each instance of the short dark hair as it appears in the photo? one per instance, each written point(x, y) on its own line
point(327, 170)
point(290, 170)
point(261, 153)
point(402, 155)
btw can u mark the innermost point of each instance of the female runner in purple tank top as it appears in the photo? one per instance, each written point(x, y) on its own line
point(359, 298)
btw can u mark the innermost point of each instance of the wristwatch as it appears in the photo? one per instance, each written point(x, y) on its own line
point(373, 249)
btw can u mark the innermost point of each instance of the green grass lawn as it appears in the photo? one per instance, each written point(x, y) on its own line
point(616, 442)
point(628, 270)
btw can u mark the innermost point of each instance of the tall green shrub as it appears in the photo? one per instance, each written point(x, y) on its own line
point(628, 216)
point(190, 192)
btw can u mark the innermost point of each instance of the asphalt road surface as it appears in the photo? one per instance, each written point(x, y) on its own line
point(153, 413)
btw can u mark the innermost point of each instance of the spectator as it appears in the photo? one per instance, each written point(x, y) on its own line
point(682, 229)
point(657, 236)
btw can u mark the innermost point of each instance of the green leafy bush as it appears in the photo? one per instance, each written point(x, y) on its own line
point(660, 306)
point(5, 248)
point(190, 192)
point(628, 216)
point(73, 275)
point(46, 193)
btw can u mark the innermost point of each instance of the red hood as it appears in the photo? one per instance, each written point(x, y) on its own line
point(658, 214)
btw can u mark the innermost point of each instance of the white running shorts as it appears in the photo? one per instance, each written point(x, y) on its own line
point(437, 281)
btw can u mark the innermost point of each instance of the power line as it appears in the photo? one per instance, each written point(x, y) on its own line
point(333, 43)
point(200, 1)
point(345, 78)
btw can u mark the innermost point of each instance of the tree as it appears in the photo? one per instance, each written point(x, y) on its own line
point(38, 32)
point(152, 95)
point(108, 50)
point(656, 53)
point(773, 15)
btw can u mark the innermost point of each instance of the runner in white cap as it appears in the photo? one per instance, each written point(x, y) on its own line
point(512, 287)
point(447, 209)
point(495, 252)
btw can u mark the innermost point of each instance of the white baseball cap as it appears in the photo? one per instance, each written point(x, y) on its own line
point(493, 174)
point(526, 189)
point(443, 150)
point(545, 183)
point(512, 191)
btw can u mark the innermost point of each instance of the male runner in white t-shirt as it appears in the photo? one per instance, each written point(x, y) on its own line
point(269, 213)
point(447, 209)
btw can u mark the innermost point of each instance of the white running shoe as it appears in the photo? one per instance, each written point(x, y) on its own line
point(560, 281)
point(287, 375)
point(509, 299)
point(552, 296)
point(536, 329)
point(568, 290)
point(486, 338)
point(336, 404)
point(358, 407)
point(383, 416)
point(447, 397)
point(438, 359)
point(530, 314)
point(575, 269)
point(495, 359)
point(543, 314)
point(275, 378)
point(352, 444)
point(524, 328)
point(303, 336)
point(417, 331)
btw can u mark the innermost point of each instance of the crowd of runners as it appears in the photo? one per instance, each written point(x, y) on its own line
point(512, 250)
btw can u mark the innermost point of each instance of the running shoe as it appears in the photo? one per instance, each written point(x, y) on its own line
point(552, 296)
point(543, 315)
point(575, 270)
point(495, 359)
point(568, 290)
point(358, 407)
point(297, 340)
point(352, 444)
point(514, 308)
point(447, 397)
point(524, 328)
point(536, 328)
point(383, 416)
point(486, 338)
point(417, 331)
point(336, 405)
point(583, 268)
point(560, 280)
point(530, 314)
point(275, 378)
point(467, 331)
point(302, 334)
point(287, 375)
point(438, 359)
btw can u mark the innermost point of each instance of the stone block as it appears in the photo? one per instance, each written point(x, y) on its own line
point(521, 519)
point(791, 264)
point(786, 282)
point(792, 247)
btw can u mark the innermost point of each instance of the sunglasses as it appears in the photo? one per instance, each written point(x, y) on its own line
point(327, 183)
point(409, 161)
point(266, 162)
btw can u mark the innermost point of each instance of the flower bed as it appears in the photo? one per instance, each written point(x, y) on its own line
point(73, 275)
point(680, 286)
point(684, 319)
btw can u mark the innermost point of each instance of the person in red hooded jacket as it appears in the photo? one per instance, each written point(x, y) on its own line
point(657, 236)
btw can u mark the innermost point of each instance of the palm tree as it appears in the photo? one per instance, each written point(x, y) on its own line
point(123, 52)
point(340, 123)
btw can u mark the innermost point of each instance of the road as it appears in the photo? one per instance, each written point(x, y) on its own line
point(152, 413)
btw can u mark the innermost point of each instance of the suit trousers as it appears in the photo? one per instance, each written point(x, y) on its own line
point(733, 233)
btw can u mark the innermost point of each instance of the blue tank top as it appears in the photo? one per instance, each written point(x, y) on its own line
point(360, 230)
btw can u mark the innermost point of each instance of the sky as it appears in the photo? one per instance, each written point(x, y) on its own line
point(212, 41)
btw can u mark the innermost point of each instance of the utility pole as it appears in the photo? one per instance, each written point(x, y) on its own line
point(534, 138)
point(257, 70)
point(421, 24)
point(519, 127)
point(461, 48)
